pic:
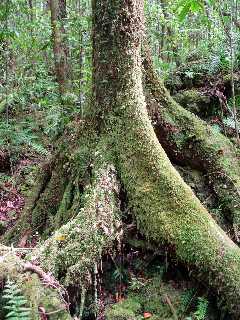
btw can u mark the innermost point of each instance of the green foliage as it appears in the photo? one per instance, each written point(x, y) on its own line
point(186, 300)
point(27, 67)
point(202, 309)
point(185, 31)
point(125, 310)
point(136, 284)
point(15, 136)
point(120, 273)
point(15, 302)
point(237, 101)
point(186, 6)
point(229, 122)
point(149, 295)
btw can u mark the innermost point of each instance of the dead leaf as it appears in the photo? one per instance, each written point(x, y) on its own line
point(147, 315)
point(60, 237)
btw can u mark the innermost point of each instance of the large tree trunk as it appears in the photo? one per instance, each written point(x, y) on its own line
point(165, 207)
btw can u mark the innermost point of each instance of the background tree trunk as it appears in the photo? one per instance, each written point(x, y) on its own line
point(60, 49)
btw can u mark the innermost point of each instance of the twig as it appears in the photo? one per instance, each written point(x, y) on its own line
point(174, 313)
point(83, 296)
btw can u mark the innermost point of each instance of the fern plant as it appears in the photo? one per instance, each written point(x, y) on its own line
point(186, 301)
point(15, 302)
point(18, 135)
point(202, 309)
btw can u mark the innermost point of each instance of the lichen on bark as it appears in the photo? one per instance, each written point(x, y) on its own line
point(73, 248)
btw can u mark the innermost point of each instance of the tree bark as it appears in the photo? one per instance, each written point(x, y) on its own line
point(73, 248)
point(60, 49)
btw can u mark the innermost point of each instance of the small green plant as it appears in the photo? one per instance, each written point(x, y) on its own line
point(16, 135)
point(202, 309)
point(120, 273)
point(136, 284)
point(186, 300)
point(15, 302)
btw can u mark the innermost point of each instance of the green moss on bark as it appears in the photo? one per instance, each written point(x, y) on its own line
point(74, 247)
point(189, 139)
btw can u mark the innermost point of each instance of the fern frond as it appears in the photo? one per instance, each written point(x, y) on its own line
point(202, 309)
point(15, 302)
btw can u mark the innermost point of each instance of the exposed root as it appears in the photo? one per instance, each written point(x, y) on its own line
point(23, 225)
point(47, 278)
point(73, 248)
point(189, 140)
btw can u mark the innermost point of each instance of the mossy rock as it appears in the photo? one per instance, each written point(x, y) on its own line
point(153, 298)
point(150, 298)
point(125, 310)
point(195, 102)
